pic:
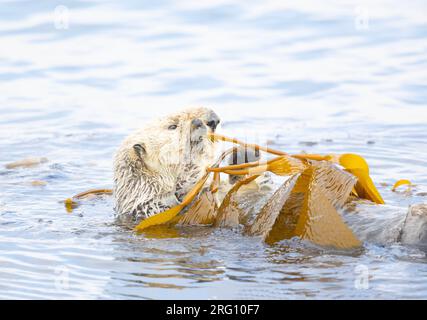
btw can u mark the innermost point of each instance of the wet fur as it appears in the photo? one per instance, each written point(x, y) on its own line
point(171, 164)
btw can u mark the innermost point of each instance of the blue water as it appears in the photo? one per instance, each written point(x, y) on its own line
point(302, 76)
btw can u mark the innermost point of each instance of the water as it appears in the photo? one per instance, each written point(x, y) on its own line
point(337, 77)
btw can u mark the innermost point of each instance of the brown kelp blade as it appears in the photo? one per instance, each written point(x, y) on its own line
point(96, 192)
point(306, 212)
point(215, 182)
point(334, 183)
point(229, 213)
point(321, 224)
point(202, 212)
point(265, 220)
point(72, 203)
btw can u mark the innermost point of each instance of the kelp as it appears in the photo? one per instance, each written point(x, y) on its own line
point(268, 215)
point(26, 163)
point(365, 187)
point(402, 183)
point(229, 214)
point(357, 166)
point(302, 207)
point(334, 183)
point(281, 166)
point(170, 214)
point(202, 212)
point(74, 201)
point(352, 163)
point(218, 137)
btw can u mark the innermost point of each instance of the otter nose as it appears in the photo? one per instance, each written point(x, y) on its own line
point(213, 124)
point(213, 121)
point(196, 123)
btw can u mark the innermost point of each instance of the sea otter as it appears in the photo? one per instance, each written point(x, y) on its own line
point(156, 166)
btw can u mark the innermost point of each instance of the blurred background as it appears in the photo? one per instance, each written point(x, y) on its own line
point(77, 76)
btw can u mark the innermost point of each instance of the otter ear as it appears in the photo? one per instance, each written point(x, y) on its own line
point(139, 150)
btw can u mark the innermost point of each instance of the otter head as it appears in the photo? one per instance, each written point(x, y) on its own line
point(154, 160)
point(176, 140)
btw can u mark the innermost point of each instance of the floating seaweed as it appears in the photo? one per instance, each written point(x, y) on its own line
point(304, 206)
point(26, 163)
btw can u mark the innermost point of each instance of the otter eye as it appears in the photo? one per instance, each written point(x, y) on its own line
point(172, 127)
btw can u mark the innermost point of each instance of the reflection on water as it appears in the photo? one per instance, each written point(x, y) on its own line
point(333, 78)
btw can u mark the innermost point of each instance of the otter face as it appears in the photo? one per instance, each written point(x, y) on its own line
point(198, 131)
point(209, 117)
point(173, 141)
point(177, 139)
point(163, 160)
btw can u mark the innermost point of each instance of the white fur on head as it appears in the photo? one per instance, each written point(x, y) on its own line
point(159, 163)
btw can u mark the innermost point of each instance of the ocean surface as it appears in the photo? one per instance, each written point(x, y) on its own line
point(76, 77)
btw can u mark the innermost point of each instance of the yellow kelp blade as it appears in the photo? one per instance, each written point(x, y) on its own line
point(95, 192)
point(160, 218)
point(352, 161)
point(235, 167)
point(72, 203)
point(357, 165)
point(218, 137)
point(281, 166)
point(195, 191)
point(316, 157)
point(306, 212)
point(402, 183)
point(365, 187)
point(168, 215)
point(215, 182)
point(286, 165)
